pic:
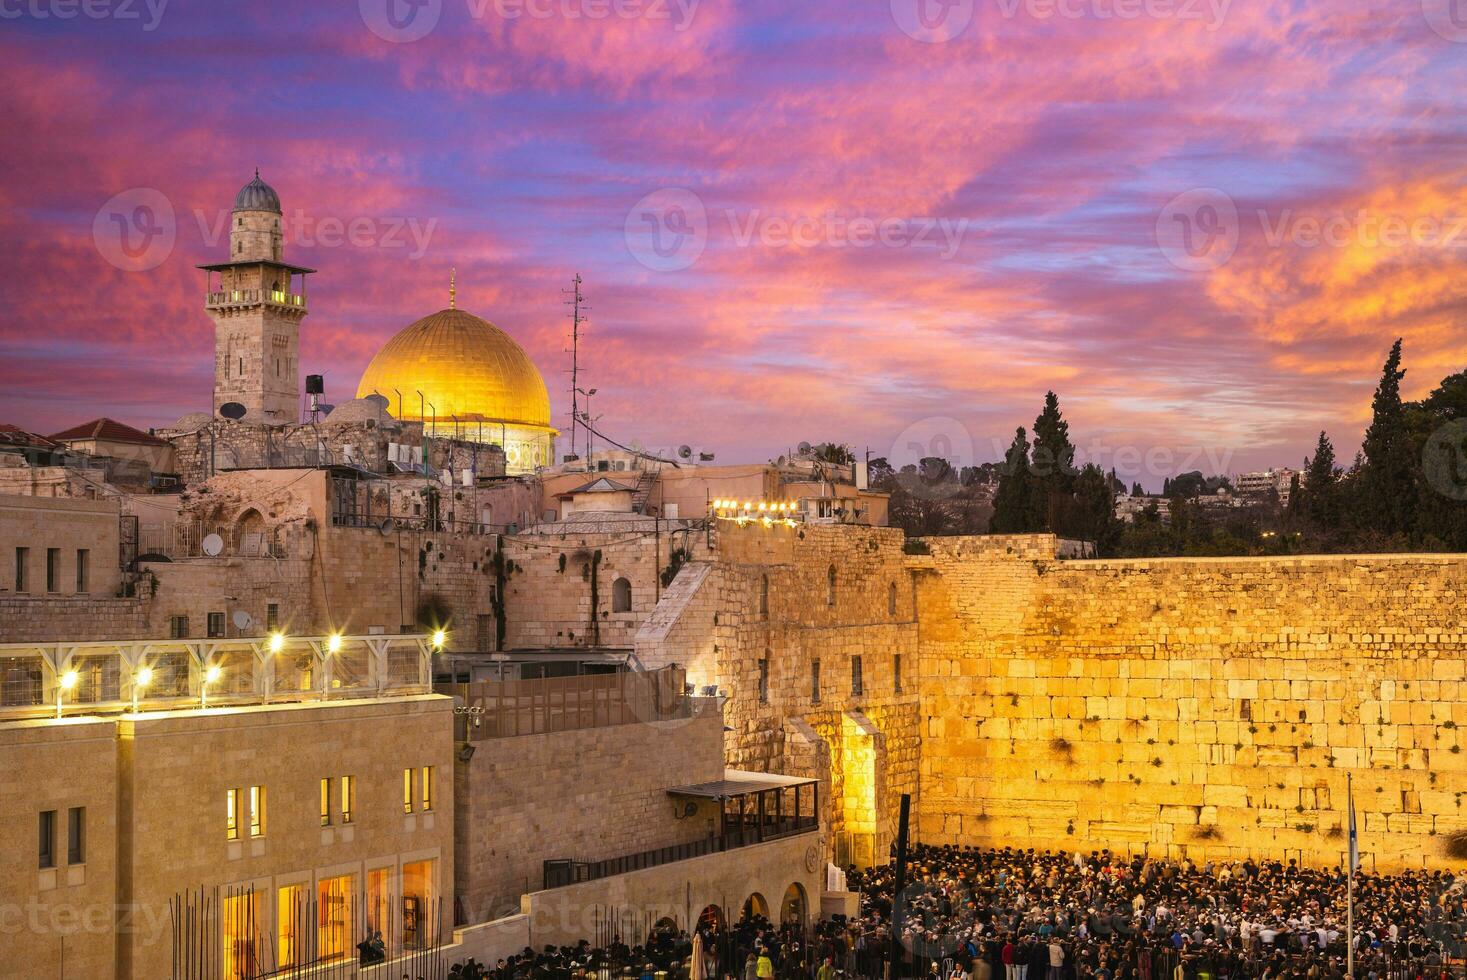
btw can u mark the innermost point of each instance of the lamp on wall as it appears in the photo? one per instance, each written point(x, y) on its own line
point(140, 680)
point(210, 676)
point(64, 683)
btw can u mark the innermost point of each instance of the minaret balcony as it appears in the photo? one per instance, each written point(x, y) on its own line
point(233, 298)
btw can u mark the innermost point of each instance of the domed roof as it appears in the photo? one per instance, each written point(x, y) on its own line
point(465, 367)
point(257, 196)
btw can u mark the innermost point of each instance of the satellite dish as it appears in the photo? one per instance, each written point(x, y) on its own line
point(242, 620)
point(213, 545)
point(232, 410)
point(685, 452)
point(805, 448)
point(387, 526)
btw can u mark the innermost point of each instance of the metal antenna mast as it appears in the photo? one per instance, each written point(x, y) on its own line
point(578, 306)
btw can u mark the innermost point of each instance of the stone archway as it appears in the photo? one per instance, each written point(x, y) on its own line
point(796, 905)
point(756, 906)
point(249, 534)
point(711, 918)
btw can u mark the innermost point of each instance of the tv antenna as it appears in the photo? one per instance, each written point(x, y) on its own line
point(577, 303)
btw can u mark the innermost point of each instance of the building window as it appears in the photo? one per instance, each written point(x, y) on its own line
point(53, 569)
point(272, 615)
point(290, 916)
point(830, 586)
point(815, 681)
point(76, 835)
point(348, 797)
point(216, 624)
point(428, 775)
point(764, 597)
point(858, 686)
point(239, 928)
point(407, 791)
point(178, 627)
point(257, 811)
point(231, 814)
point(764, 679)
point(48, 839)
point(891, 600)
point(896, 671)
point(621, 596)
point(326, 801)
point(22, 565)
point(83, 569)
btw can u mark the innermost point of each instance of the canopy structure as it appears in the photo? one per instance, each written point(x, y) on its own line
point(758, 806)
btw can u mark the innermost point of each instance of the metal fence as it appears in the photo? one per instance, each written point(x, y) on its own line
point(506, 709)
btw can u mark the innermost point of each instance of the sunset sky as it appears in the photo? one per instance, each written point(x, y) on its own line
point(1202, 223)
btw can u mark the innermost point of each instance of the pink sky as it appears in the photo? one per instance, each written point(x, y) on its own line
point(871, 231)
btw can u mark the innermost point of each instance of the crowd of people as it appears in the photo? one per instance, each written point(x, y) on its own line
point(988, 914)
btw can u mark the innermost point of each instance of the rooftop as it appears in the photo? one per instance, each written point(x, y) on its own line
point(108, 430)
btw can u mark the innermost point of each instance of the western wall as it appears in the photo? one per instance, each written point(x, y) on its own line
point(1194, 707)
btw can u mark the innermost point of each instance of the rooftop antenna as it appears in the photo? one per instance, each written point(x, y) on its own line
point(452, 289)
point(578, 306)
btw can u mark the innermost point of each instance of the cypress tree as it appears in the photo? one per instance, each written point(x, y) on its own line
point(1053, 467)
point(1320, 486)
point(1011, 500)
point(1387, 480)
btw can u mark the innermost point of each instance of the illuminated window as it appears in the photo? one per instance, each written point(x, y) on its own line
point(326, 802)
point(379, 899)
point(257, 811)
point(239, 929)
point(417, 904)
point(290, 915)
point(335, 898)
point(47, 833)
point(231, 814)
point(407, 791)
point(428, 787)
point(348, 797)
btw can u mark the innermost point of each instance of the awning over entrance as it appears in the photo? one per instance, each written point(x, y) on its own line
point(736, 782)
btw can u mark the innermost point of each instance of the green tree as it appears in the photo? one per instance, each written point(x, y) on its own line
point(1386, 494)
point(1319, 490)
point(1011, 511)
point(1053, 467)
point(1091, 514)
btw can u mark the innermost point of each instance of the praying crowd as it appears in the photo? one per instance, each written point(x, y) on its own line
point(983, 914)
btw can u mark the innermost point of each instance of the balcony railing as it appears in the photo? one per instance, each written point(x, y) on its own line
point(505, 709)
point(252, 297)
point(50, 679)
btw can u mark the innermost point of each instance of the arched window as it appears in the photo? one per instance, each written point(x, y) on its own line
point(764, 597)
point(891, 600)
point(621, 596)
point(830, 586)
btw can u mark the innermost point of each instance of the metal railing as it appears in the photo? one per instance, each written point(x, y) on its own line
point(561, 873)
point(65, 677)
point(510, 708)
point(249, 297)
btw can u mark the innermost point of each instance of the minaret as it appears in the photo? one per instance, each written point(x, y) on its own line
point(257, 310)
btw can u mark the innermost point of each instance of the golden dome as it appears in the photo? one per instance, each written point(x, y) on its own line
point(465, 367)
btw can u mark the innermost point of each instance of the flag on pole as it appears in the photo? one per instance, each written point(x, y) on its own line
point(1354, 836)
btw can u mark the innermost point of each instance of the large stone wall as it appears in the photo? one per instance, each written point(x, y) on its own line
point(1200, 707)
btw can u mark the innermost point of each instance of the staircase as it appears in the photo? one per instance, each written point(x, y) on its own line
point(645, 482)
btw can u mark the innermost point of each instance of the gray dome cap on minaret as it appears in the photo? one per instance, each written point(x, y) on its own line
point(257, 196)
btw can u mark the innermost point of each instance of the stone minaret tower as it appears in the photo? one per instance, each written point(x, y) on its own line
point(257, 311)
